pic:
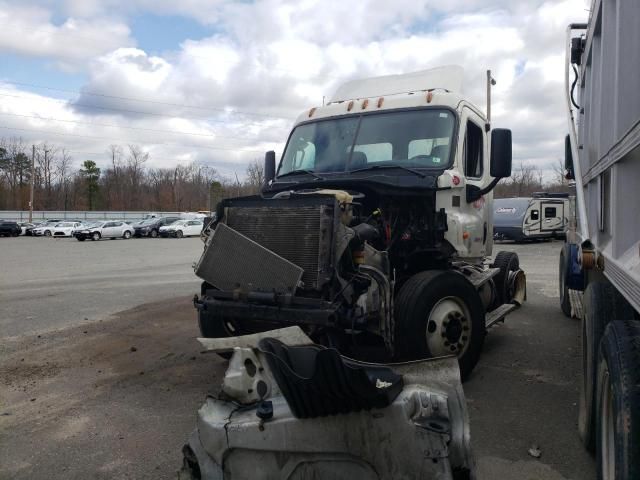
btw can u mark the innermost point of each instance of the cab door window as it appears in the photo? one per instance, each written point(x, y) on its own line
point(473, 150)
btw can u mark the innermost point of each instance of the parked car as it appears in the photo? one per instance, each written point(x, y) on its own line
point(25, 228)
point(9, 229)
point(108, 229)
point(182, 228)
point(151, 226)
point(65, 229)
point(45, 226)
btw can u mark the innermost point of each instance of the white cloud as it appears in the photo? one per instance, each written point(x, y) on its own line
point(270, 59)
point(28, 30)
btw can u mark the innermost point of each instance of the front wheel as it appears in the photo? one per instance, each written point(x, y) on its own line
point(47, 233)
point(95, 236)
point(179, 234)
point(80, 239)
point(126, 235)
point(618, 402)
point(440, 313)
point(153, 234)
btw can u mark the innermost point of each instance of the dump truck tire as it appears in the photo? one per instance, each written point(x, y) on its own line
point(563, 275)
point(618, 402)
point(602, 304)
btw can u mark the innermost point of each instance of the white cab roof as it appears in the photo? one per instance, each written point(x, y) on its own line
point(437, 87)
point(447, 77)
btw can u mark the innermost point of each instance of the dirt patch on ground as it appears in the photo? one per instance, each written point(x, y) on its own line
point(113, 399)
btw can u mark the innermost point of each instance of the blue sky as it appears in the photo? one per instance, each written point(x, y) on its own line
point(218, 81)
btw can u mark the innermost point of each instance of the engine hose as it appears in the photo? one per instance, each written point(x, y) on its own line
point(573, 86)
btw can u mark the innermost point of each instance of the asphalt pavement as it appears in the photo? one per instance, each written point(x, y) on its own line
point(101, 376)
point(52, 283)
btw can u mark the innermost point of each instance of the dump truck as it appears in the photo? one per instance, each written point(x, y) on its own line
point(374, 233)
point(601, 257)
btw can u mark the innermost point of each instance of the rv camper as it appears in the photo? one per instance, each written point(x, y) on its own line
point(542, 216)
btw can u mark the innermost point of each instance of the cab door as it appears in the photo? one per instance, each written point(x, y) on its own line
point(475, 167)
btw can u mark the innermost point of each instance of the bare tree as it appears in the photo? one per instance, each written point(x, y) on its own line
point(63, 174)
point(255, 176)
point(136, 159)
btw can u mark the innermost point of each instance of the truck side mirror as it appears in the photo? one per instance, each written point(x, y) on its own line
point(269, 166)
point(500, 153)
point(568, 159)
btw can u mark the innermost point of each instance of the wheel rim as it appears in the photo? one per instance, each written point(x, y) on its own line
point(127, 234)
point(607, 435)
point(96, 236)
point(448, 327)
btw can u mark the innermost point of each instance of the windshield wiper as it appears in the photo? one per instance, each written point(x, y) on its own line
point(302, 170)
point(401, 167)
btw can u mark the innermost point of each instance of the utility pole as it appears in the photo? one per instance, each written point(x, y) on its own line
point(33, 179)
point(490, 82)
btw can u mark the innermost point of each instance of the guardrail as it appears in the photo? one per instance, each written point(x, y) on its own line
point(23, 215)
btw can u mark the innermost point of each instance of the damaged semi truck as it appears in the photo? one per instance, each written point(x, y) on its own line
point(374, 230)
point(602, 253)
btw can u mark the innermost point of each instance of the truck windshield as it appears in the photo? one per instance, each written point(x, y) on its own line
point(413, 138)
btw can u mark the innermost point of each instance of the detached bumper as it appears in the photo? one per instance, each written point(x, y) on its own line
point(423, 433)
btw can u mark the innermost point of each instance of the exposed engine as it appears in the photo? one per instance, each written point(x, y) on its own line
point(351, 251)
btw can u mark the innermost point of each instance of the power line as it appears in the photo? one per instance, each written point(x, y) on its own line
point(236, 149)
point(156, 102)
point(127, 127)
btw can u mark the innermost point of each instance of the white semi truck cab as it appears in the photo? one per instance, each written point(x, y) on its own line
point(375, 228)
point(602, 255)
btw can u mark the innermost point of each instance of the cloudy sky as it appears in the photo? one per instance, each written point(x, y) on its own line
point(220, 81)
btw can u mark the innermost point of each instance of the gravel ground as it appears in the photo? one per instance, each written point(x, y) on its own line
point(86, 392)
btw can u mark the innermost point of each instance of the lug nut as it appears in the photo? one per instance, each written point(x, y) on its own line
point(453, 348)
point(446, 343)
point(464, 338)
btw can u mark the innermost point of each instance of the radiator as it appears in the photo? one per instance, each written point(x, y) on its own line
point(297, 229)
point(232, 261)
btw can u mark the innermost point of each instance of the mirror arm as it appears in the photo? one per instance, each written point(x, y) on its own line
point(474, 192)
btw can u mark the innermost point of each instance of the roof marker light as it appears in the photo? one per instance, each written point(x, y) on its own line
point(380, 101)
point(365, 103)
point(350, 106)
point(429, 96)
point(312, 111)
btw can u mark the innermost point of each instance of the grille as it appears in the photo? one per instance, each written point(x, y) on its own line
point(299, 230)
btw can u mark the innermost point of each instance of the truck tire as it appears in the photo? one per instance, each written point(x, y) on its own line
point(563, 275)
point(602, 303)
point(618, 402)
point(506, 262)
point(439, 313)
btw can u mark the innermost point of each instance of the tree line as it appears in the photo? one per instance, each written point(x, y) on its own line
point(128, 183)
point(124, 182)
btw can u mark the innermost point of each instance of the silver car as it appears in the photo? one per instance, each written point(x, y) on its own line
point(108, 229)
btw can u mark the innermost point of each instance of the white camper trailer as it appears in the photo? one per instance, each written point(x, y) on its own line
point(545, 215)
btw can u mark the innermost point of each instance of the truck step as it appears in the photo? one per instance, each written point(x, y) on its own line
point(499, 313)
